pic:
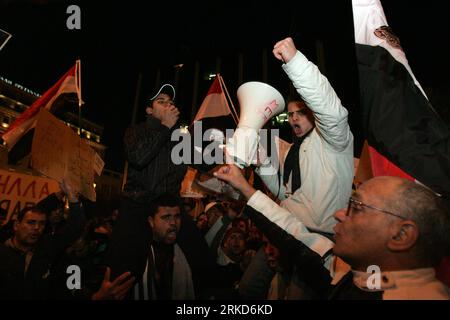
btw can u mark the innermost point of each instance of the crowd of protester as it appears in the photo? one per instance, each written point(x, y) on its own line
point(306, 236)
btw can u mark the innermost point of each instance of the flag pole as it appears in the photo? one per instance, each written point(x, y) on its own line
point(78, 89)
point(223, 86)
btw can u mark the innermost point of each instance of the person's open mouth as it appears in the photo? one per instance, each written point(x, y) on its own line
point(297, 129)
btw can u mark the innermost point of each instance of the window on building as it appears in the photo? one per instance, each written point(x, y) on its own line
point(5, 122)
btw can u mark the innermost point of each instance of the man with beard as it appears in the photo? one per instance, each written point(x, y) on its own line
point(317, 175)
point(167, 274)
point(152, 173)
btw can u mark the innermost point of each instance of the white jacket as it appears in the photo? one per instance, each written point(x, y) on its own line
point(326, 163)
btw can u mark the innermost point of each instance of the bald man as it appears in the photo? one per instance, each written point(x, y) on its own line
point(391, 226)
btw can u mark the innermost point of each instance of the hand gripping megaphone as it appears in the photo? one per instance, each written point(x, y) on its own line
point(259, 102)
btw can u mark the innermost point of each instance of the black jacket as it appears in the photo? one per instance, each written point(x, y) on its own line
point(36, 283)
point(151, 171)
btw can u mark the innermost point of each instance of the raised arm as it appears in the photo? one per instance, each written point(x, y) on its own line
point(316, 91)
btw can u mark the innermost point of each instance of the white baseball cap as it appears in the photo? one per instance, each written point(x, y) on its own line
point(167, 89)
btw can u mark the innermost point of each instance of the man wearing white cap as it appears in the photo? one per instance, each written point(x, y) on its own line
point(151, 173)
point(148, 147)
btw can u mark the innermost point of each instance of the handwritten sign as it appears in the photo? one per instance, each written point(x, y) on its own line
point(19, 190)
point(58, 152)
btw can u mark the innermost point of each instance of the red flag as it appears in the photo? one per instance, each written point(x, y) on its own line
point(27, 120)
point(214, 116)
point(215, 103)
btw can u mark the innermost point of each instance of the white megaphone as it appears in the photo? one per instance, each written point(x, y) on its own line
point(259, 102)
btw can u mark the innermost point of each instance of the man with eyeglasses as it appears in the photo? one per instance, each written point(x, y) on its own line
point(318, 171)
point(392, 226)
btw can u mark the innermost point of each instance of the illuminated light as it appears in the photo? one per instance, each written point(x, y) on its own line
point(281, 118)
point(95, 185)
point(211, 76)
point(5, 125)
point(88, 135)
point(184, 129)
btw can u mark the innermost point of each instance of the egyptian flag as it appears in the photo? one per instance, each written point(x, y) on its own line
point(18, 138)
point(405, 136)
point(214, 117)
point(215, 103)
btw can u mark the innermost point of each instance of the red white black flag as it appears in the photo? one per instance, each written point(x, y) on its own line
point(405, 136)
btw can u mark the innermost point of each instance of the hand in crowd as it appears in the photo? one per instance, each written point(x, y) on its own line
point(285, 50)
point(170, 116)
point(233, 175)
point(69, 190)
point(262, 158)
point(116, 290)
point(232, 214)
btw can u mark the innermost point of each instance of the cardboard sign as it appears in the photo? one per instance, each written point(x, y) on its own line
point(58, 153)
point(19, 190)
point(98, 164)
point(189, 189)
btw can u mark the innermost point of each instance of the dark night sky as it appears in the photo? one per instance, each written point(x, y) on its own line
point(118, 40)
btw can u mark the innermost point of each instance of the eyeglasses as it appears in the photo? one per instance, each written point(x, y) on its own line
point(357, 205)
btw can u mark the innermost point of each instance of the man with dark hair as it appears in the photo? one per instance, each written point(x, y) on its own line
point(53, 206)
point(233, 245)
point(392, 226)
point(317, 175)
point(151, 173)
point(28, 258)
point(230, 261)
point(148, 147)
point(167, 274)
point(28, 228)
